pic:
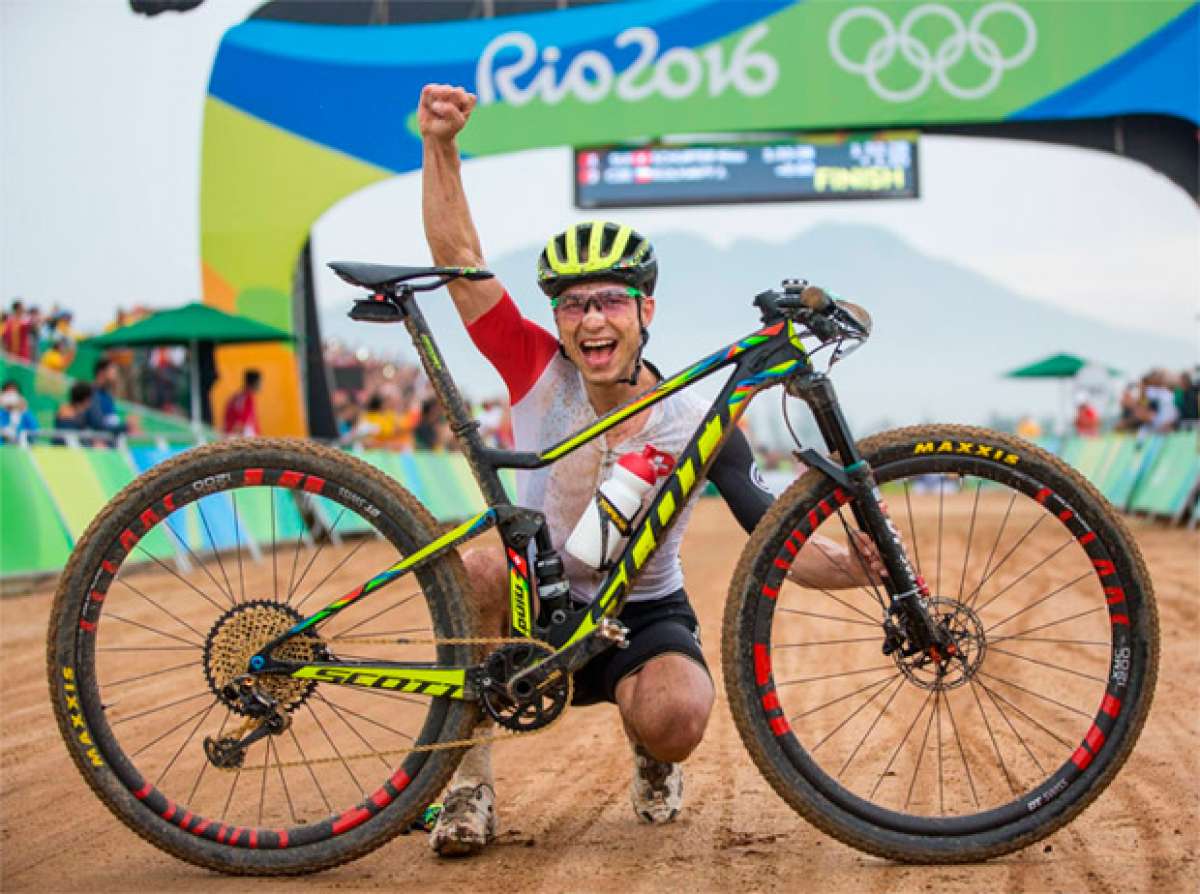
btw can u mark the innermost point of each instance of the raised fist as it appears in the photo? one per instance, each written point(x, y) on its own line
point(443, 111)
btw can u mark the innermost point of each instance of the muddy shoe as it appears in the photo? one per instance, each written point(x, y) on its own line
point(657, 789)
point(467, 822)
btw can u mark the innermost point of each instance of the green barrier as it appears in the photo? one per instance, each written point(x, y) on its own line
point(32, 537)
point(508, 477)
point(1092, 455)
point(466, 481)
point(1169, 482)
point(1127, 479)
point(79, 492)
point(280, 524)
point(1123, 453)
point(441, 493)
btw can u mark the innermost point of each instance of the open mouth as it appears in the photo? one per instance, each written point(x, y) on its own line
point(598, 352)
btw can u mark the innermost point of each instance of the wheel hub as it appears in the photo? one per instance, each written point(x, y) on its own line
point(967, 645)
point(243, 631)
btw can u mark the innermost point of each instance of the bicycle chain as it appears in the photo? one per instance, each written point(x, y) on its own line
point(436, 746)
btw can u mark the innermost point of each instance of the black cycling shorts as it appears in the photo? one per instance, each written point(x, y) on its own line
point(656, 627)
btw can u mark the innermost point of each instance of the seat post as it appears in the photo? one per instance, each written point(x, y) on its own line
point(464, 427)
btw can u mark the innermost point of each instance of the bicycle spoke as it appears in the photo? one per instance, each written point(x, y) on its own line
point(896, 753)
point(1022, 714)
point(195, 561)
point(295, 562)
point(382, 611)
point(833, 732)
point(262, 791)
point(361, 738)
point(370, 720)
point(178, 701)
point(961, 751)
point(1035, 694)
point(328, 539)
point(862, 564)
point(1008, 555)
point(937, 711)
point(871, 728)
point(1020, 637)
point(1075, 617)
point(339, 637)
point(941, 512)
point(996, 543)
point(912, 528)
point(841, 698)
point(1065, 586)
point(970, 536)
point(165, 611)
point(237, 539)
point(1051, 665)
point(311, 772)
point(287, 794)
point(153, 673)
point(216, 552)
point(379, 693)
point(337, 751)
point(113, 616)
point(875, 622)
point(825, 642)
point(187, 583)
point(190, 736)
point(361, 543)
point(796, 611)
point(1008, 777)
point(180, 724)
point(148, 648)
point(835, 676)
point(921, 750)
point(191, 798)
point(274, 545)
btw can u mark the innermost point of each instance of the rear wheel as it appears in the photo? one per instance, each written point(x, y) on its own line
point(1046, 598)
point(182, 578)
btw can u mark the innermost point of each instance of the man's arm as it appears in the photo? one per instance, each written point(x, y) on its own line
point(826, 564)
point(449, 230)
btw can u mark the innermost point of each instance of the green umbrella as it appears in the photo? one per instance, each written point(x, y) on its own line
point(190, 325)
point(1056, 366)
point(1064, 367)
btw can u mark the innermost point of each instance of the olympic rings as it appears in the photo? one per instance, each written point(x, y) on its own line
point(936, 63)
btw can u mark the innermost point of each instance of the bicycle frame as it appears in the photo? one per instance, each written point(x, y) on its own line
point(767, 357)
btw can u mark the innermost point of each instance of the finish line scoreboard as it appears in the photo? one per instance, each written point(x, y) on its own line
point(790, 169)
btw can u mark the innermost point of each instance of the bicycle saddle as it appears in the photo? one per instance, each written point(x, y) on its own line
point(376, 276)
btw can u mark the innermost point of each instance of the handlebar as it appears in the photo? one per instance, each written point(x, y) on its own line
point(814, 308)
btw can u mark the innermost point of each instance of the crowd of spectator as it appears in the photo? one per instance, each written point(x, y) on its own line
point(1161, 401)
point(36, 338)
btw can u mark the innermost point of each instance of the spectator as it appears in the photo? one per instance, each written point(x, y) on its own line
point(1028, 428)
point(241, 416)
point(1187, 397)
point(15, 418)
point(73, 415)
point(16, 336)
point(58, 356)
point(1160, 399)
point(1087, 420)
point(102, 414)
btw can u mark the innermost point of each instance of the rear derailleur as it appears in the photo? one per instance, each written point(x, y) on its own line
point(229, 752)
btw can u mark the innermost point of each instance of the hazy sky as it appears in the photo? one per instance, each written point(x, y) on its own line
point(100, 118)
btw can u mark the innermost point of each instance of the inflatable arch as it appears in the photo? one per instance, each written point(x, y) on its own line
point(299, 115)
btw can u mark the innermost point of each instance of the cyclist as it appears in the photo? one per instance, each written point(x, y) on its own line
point(600, 278)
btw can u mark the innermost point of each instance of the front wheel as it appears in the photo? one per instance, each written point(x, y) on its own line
point(1044, 593)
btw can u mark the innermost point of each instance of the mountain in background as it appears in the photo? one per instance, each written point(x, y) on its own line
point(944, 334)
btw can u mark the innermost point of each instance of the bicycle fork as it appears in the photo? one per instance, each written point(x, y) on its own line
point(909, 627)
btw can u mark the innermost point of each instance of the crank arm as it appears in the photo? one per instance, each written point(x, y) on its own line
point(608, 633)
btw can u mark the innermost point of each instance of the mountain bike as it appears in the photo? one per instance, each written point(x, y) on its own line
point(255, 703)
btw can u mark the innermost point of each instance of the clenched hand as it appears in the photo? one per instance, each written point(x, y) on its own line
point(443, 111)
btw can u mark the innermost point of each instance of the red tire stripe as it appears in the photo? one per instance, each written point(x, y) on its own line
point(762, 664)
point(252, 476)
point(1111, 705)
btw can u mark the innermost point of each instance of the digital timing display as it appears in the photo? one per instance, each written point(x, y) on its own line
point(812, 167)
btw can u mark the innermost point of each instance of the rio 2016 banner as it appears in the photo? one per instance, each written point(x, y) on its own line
point(301, 115)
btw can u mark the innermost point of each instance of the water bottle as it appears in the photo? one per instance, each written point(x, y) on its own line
point(602, 529)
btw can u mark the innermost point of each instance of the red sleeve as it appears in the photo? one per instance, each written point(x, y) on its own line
point(519, 348)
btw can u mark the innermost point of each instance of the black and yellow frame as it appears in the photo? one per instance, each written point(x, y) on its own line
point(772, 355)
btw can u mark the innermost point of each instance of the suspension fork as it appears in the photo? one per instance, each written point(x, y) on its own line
point(905, 587)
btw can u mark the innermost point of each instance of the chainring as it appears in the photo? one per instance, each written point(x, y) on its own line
point(540, 707)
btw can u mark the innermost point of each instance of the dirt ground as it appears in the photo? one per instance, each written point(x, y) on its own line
point(572, 830)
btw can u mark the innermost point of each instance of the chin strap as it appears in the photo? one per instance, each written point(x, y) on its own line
point(637, 358)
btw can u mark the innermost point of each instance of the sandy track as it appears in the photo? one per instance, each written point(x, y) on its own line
point(575, 831)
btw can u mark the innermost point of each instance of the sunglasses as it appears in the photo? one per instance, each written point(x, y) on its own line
point(611, 303)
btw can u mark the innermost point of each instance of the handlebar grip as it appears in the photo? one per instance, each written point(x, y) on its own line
point(816, 299)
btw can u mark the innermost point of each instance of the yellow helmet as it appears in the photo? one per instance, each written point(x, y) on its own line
point(597, 250)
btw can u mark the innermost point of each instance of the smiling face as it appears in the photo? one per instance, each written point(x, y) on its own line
point(602, 336)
